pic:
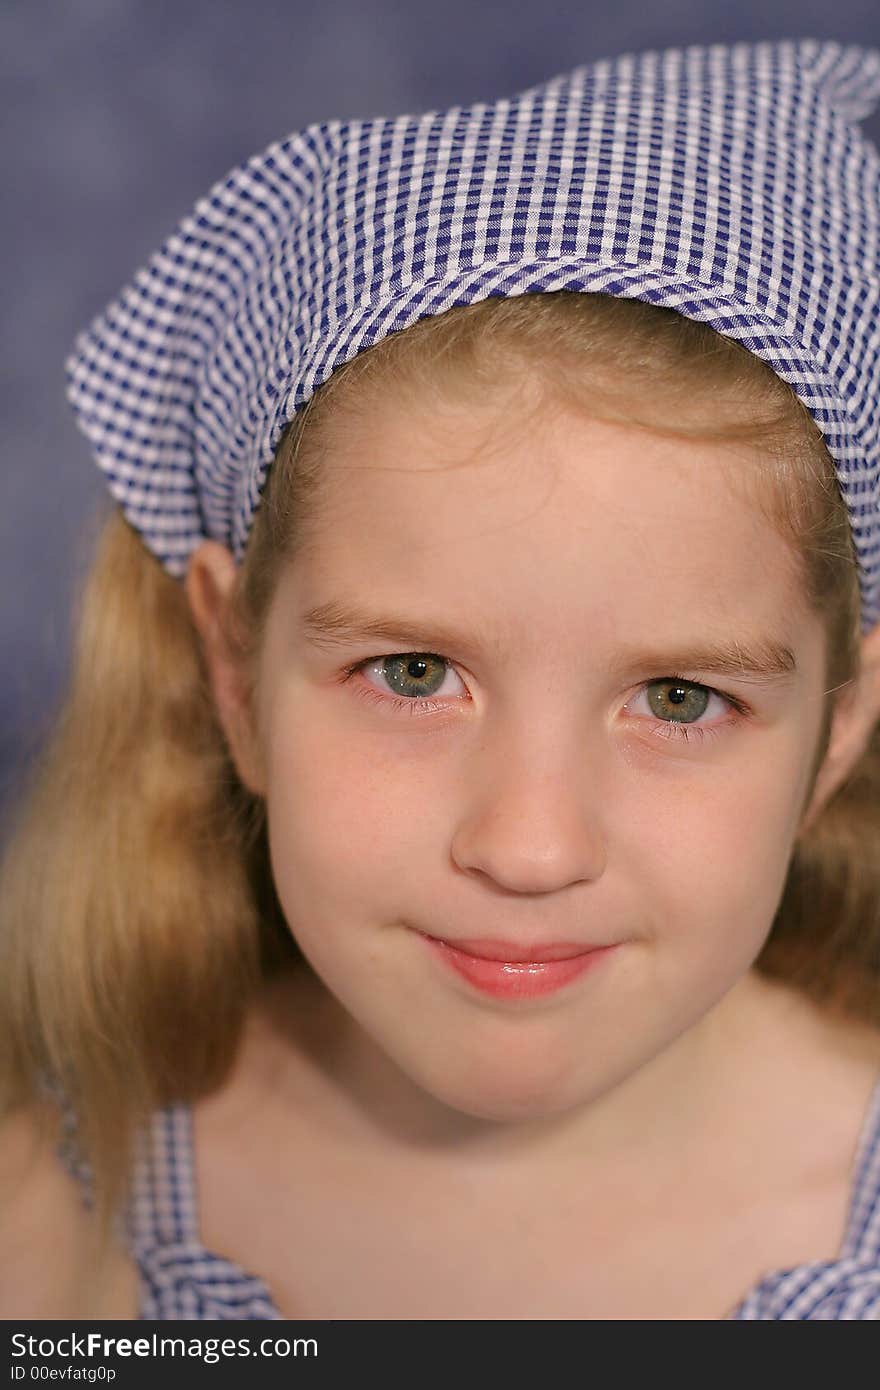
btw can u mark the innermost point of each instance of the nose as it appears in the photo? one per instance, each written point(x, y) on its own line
point(533, 823)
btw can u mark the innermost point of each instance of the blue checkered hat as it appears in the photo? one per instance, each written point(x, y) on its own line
point(729, 183)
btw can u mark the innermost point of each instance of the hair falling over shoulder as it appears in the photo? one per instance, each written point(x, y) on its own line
point(137, 911)
point(131, 911)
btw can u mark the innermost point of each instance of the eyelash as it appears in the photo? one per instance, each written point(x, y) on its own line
point(660, 728)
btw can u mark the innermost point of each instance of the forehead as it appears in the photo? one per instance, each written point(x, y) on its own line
point(521, 512)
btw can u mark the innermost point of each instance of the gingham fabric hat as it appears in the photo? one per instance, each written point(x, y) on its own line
point(730, 183)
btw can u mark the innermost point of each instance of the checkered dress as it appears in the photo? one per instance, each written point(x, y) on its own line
point(180, 1279)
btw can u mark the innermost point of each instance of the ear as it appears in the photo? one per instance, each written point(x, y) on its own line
point(856, 715)
point(209, 584)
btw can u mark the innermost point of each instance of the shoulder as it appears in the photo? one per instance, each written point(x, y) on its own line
point(52, 1264)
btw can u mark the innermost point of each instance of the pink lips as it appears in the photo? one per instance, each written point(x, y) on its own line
point(507, 971)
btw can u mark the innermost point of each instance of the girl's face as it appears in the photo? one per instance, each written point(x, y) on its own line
point(511, 694)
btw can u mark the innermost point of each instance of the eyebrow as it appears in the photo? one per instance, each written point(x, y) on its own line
point(761, 659)
point(336, 624)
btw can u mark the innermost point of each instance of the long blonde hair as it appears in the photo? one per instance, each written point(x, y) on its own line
point(138, 915)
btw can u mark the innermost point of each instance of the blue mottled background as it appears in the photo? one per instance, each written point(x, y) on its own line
point(118, 114)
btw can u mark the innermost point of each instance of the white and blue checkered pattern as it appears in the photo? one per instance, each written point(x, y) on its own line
point(730, 183)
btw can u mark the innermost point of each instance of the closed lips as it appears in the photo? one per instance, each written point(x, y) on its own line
point(509, 951)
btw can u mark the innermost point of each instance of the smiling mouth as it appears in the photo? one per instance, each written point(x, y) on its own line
point(512, 972)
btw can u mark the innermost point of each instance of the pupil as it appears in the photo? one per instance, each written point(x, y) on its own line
point(421, 667)
point(678, 695)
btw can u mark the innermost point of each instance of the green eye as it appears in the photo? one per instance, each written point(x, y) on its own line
point(414, 673)
point(677, 700)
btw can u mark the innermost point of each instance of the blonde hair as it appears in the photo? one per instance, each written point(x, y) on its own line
point(137, 910)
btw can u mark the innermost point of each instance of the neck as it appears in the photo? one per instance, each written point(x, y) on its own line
point(691, 1090)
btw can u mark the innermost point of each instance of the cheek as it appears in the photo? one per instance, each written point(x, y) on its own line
point(344, 825)
point(717, 857)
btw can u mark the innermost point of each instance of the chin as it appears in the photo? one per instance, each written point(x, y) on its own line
point(505, 1101)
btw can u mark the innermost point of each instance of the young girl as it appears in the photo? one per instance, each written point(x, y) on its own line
point(452, 889)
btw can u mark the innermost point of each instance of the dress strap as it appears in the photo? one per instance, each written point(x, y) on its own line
point(68, 1146)
point(862, 1239)
point(163, 1209)
point(179, 1278)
